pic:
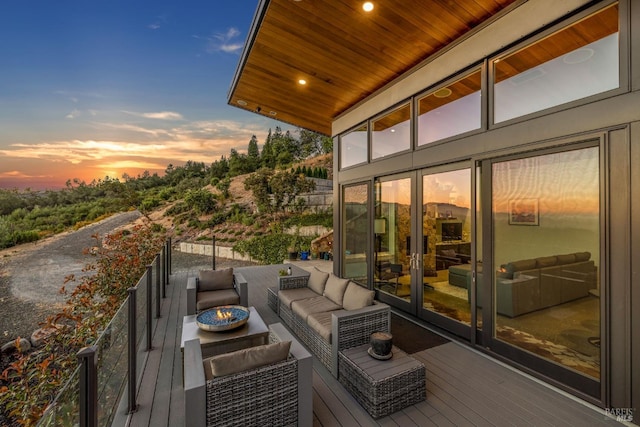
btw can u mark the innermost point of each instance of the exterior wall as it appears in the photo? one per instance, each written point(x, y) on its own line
point(615, 118)
point(522, 21)
point(204, 249)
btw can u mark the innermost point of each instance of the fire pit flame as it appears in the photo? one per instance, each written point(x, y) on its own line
point(225, 316)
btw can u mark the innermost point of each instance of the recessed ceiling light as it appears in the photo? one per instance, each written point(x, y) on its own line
point(442, 93)
point(242, 102)
point(302, 82)
point(367, 6)
point(273, 113)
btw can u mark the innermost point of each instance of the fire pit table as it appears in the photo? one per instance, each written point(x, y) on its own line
point(251, 333)
point(223, 318)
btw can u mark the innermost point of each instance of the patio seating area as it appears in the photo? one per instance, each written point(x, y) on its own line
point(463, 387)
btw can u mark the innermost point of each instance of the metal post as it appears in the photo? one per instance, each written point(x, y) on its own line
point(162, 271)
point(214, 251)
point(166, 263)
point(149, 308)
point(88, 387)
point(169, 253)
point(158, 286)
point(132, 350)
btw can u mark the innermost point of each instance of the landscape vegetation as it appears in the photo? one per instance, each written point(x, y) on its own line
point(247, 201)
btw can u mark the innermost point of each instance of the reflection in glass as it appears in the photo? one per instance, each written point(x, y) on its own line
point(576, 62)
point(392, 232)
point(355, 232)
point(451, 110)
point(446, 257)
point(391, 133)
point(546, 223)
point(353, 147)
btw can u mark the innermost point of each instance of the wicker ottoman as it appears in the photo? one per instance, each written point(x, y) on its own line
point(382, 386)
point(272, 298)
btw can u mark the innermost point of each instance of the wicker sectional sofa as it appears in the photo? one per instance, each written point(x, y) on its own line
point(330, 314)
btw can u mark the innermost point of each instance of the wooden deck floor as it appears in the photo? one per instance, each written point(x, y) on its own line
point(464, 388)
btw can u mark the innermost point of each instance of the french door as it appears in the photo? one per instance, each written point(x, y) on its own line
point(423, 245)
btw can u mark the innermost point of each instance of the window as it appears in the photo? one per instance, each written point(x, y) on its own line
point(353, 147)
point(578, 61)
point(450, 110)
point(355, 201)
point(546, 225)
point(391, 133)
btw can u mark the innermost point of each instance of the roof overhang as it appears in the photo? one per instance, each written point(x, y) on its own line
point(343, 53)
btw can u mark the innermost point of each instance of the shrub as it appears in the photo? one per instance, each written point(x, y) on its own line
point(270, 248)
point(34, 379)
point(202, 201)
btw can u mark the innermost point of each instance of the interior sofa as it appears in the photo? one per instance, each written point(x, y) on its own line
point(263, 385)
point(330, 314)
point(528, 285)
point(213, 288)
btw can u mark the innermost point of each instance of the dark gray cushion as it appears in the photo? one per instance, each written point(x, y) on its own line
point(205, 300)
point(356, 297)
point(287, 296)
point(213, 280)
point(305, 307)
point(335, 287)
point(248, 358)
point(321, 323)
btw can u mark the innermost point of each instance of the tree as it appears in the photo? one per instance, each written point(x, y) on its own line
point(258, 184)
point(237, 163)
point(268, 158)
point(253, 155)
point(286, 186)
point(220, 168)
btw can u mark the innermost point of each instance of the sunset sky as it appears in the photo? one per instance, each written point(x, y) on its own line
point(90, 89)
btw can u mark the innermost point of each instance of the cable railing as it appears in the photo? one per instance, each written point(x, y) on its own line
point(112, 367)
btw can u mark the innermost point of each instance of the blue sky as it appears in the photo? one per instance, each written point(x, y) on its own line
point(90, 89)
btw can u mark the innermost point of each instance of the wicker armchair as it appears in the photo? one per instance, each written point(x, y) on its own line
point(279, 394)
point(197, 300)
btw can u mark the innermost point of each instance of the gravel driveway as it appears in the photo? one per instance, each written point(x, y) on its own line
point(31, 275)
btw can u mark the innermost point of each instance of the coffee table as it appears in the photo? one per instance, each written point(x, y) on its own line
point(382, 387)
point(251, 334)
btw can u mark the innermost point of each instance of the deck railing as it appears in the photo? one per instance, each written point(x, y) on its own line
point(113, 365)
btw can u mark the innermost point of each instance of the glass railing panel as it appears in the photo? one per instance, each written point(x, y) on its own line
point(65, 409)
point(112, 365)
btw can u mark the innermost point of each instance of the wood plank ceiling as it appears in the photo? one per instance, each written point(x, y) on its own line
point(343, 53)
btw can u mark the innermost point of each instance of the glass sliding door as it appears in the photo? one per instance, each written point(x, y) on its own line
point(355, 232)
point(546, 216)
point(446, 249)
point(392, 240)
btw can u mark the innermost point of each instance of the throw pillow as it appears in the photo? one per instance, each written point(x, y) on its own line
point(335, 287)
point(317, 281)
point(356, 297)
point(248, 358)
point(214, 280)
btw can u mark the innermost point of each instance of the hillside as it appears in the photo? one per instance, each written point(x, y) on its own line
point(247, 223)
